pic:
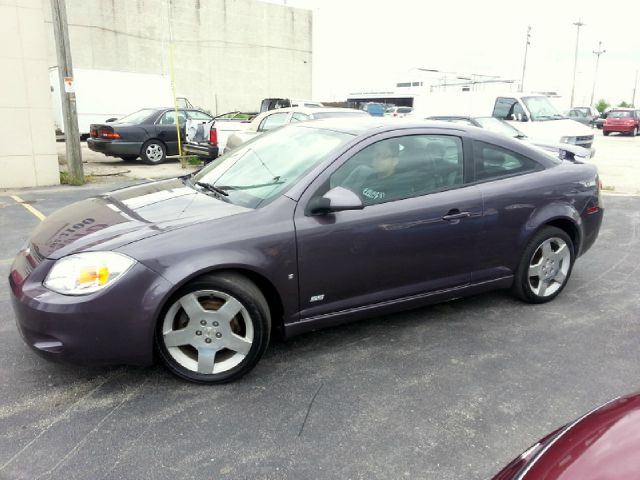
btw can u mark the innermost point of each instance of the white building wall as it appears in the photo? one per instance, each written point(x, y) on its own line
point(27, 140)
point(229, 54)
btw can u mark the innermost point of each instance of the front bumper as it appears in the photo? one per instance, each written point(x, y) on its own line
point(114, 148)
point(113, 326)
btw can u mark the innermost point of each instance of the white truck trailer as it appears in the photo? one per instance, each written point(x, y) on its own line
point(105, 94)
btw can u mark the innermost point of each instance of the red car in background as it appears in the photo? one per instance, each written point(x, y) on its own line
point(622, 121)
point(601, 445)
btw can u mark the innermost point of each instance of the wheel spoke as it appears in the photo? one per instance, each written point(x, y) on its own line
point(534, 270)
point(177, 338)
point(542, 288)
point(561, 252)
point(206, 360)
point(229, 310)
point(547, 251)
point(560, 277)
point(191, 306)
point(237, 343)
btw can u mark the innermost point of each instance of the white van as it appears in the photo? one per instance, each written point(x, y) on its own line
point(533, 114)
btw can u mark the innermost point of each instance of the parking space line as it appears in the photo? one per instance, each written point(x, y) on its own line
point(29, 207)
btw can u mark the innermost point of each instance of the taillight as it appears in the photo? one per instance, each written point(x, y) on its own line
point(93, 132)
point(213, 136)
point(109, 134)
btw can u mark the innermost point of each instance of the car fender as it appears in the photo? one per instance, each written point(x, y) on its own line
point(559, 214)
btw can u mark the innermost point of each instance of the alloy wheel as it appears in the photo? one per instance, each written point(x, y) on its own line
point(549, 267)
point(208, 332)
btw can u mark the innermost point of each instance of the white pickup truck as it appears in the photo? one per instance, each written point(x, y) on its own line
point(206, 139)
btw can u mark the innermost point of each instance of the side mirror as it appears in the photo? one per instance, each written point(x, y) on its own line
point(337, 199)
point(524, 118)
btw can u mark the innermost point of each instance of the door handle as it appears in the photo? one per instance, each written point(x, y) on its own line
point(456, 214)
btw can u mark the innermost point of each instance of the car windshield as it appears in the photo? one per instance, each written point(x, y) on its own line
point(499, 126)
point(267, 166)
point(620, 114)
point(355, 113)
point(541, 108)
point(137, 117)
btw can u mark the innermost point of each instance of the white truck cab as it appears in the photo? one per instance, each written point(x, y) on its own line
point(533, 114)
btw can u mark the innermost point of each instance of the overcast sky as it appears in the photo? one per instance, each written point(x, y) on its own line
point(361, 45)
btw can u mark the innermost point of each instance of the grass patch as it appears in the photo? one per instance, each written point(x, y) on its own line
point(190, 160)
point(608, 188)
point(65, 179)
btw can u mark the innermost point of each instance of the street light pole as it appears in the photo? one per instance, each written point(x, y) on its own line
point(526, 50)
point(578, 24)
point(635, 84)
point(598, 52)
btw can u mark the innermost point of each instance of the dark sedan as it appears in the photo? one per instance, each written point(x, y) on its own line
point(307, 226)
point(603, 444)
point(150, 134)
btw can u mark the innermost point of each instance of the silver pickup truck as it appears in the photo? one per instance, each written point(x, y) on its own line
point(207, 139)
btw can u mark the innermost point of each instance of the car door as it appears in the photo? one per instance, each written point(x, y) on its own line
point(510, 195)
point(166, 129)
point(420, 239)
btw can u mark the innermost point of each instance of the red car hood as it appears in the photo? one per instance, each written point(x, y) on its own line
point(602, 445)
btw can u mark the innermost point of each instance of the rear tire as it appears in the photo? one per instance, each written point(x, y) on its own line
point(153, 152)
point(215, 329)
point(605, 133)
point(545, 267)
point(634, 132)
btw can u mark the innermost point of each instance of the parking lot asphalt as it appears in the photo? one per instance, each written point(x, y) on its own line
point(452, 391)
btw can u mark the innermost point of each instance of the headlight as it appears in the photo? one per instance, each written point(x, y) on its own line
point(568, 140)
point(85, 273)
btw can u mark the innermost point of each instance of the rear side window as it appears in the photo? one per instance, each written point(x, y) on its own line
point(169, 118)
point(492, 162)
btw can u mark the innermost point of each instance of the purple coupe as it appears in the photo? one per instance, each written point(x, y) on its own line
point(310, 225)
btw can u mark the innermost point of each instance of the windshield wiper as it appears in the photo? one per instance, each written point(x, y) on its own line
point(248, 187)
point(212, 188)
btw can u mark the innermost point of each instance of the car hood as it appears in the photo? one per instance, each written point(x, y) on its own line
point(112, 220)
point(550, 131)
point(601, 444)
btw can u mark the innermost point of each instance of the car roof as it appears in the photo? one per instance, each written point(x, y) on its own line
point(311, 110)
point(359, 125)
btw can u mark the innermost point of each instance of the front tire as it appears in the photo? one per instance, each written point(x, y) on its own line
point(153, 152)
point(545, 266)
point(605, 133)
point(215, 329)
point(634, 132)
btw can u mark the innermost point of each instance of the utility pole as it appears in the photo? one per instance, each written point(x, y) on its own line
point(526, 50)
point(635, 84)
point(598, 52)
point(578, 24)
point(67, 93)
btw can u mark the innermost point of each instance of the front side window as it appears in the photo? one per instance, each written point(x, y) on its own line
point(402, 167)
point(493, 162)
point(196, 115)
point(263, 168)
point(507, 109)
point(273, 121)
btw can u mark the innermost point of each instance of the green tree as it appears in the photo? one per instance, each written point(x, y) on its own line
point(624, 104)
point(602, 105)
